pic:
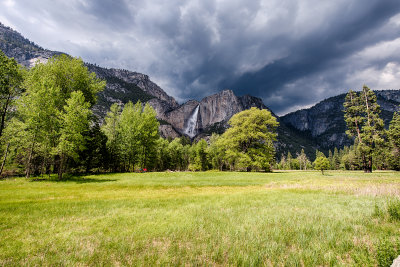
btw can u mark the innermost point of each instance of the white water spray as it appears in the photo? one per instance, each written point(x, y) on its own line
point(190, 129)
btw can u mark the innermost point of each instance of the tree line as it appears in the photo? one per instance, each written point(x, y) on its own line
point(47, 127)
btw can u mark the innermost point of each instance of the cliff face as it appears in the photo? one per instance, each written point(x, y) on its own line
point(325, 123)
point(213, 111)
point(179, 117)
point(218, 107)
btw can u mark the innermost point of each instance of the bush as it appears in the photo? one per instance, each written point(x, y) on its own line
point(387, 251)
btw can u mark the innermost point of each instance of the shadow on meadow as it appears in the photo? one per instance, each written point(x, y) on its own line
point(76, 179)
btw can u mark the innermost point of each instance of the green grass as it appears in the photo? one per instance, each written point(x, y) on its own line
point(209, 218)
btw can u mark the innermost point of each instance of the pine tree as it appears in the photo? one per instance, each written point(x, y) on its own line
point(363, 123)
point(289, 163)
point(330, 159)
point(394, 139)
point(336, 159)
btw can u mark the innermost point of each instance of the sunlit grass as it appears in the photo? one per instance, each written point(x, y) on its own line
point(209, 218)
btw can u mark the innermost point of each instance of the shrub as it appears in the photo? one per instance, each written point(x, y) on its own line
point(387, 251)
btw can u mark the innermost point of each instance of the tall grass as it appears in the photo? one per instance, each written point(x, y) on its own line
point(209, 218)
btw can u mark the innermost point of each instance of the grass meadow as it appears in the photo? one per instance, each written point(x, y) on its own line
point(292, 218)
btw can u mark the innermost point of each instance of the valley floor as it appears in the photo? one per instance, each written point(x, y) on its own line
point(207, 218)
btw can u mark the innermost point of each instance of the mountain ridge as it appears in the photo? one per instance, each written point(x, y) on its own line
point(325, 123)
point(319, 127)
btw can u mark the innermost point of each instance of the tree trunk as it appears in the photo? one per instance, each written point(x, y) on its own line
point(28, 165)
point(368, 168)
point(4, 160)
point(89, 163)
point(3, 115)
point(367, 106)
point(60, 168)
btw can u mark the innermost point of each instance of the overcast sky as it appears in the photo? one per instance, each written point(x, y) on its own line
point(291, 53)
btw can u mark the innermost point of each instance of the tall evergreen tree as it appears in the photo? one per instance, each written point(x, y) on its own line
point(394, 139)
point(363, 123)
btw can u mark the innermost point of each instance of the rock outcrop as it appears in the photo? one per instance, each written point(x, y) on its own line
point(25, 52)
point(131, 78)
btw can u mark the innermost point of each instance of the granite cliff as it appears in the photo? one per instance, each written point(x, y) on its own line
point(212, 111)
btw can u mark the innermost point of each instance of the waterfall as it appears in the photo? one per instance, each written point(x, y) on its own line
point(190, 129)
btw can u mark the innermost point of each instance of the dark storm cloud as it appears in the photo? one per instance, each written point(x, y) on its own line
point(351, 31)
point(290, 53)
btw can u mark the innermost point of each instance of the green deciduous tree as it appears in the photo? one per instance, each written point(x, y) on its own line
point(321, 163)
point(215, 153)
point(198, 156)
point(148, 136)
point(132, 136)
point(364, 124)
point(128, 129)
point(74, 123)
point(10, 83)
point(248, 143)
point(68, 75)
point(110, 128)
point(11, 78)
point(303, 160)
point(53, 112)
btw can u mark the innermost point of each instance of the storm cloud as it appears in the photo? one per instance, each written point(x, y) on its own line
point(290, 53)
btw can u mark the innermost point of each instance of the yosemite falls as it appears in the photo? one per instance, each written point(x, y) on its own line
point(191, 126)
